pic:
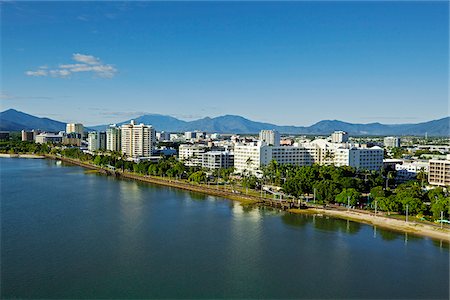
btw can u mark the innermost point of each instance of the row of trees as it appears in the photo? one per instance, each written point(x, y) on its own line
point(345, 185)
point(17, 147)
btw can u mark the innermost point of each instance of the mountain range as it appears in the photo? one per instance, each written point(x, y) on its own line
point(13, 120)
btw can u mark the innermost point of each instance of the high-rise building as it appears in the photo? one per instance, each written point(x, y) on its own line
point(102, 140)
point(93, 141)
point(75, 128)
point(137, 140)
point(271, 137)
point(391, 142)
point(339, 137)
point(96, 141)
point(113, 138)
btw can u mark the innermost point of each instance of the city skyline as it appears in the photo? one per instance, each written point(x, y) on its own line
point(282, 63)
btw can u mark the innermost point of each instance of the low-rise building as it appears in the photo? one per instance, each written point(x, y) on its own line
point(45, 137)
point(439, 172)
point(29, 136)
point(409, 170)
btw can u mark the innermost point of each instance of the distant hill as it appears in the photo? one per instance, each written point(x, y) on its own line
point(238, 124)
point(13, 120)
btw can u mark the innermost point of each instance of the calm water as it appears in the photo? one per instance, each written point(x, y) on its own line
point(68, 234)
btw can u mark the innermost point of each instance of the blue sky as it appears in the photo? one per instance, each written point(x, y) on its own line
point(289, 63)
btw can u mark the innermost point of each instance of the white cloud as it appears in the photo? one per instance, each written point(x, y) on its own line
point(87, 59)
point(85, 63)
point(38, 73)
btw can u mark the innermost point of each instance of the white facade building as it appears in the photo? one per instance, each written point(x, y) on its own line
point(391, 142)
point(218, 159)
point(339, 137)
point(250, 157)
point(192, 155)
point(137, 140)
point(43, 138)
point(408, 170)
point(113, 138)
point(270, 137)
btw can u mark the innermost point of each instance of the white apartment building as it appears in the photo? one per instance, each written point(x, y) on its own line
point(113, 138)
point(217, 159)
point(270, 137)
point(439, 172)
point(391, 142)
point(137, 140)
point(408, 170)
point(75, 128)
point(339, 137)
point(346, 154)
point(192, 155)
point(250, 157)
point(44, 138)
point(93, 141)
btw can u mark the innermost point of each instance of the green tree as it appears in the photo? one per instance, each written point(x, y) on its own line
point(347, 194)
point(197, 177)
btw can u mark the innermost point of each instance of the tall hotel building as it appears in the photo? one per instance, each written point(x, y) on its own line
point(270, 137)
point(75, 128)
point(113, 138)
point(137, 140)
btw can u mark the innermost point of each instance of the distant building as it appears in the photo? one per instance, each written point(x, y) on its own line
point(4, 135)
point(439, 172)
point(29, 136)
point(188, 135)
point(339, 137)
point(72, 139)
point(163, 136)
point(391, 142)
point(217, 159)
point(270, 137)
point(75, 128)
point(44, 138)
point(137, 140)
point(113, 138)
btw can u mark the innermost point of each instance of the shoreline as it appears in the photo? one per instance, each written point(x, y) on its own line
point(33, 156)
point(423, 230)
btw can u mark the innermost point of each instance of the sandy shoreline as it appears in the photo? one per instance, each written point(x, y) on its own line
point(381, 221)
point(367, 218)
